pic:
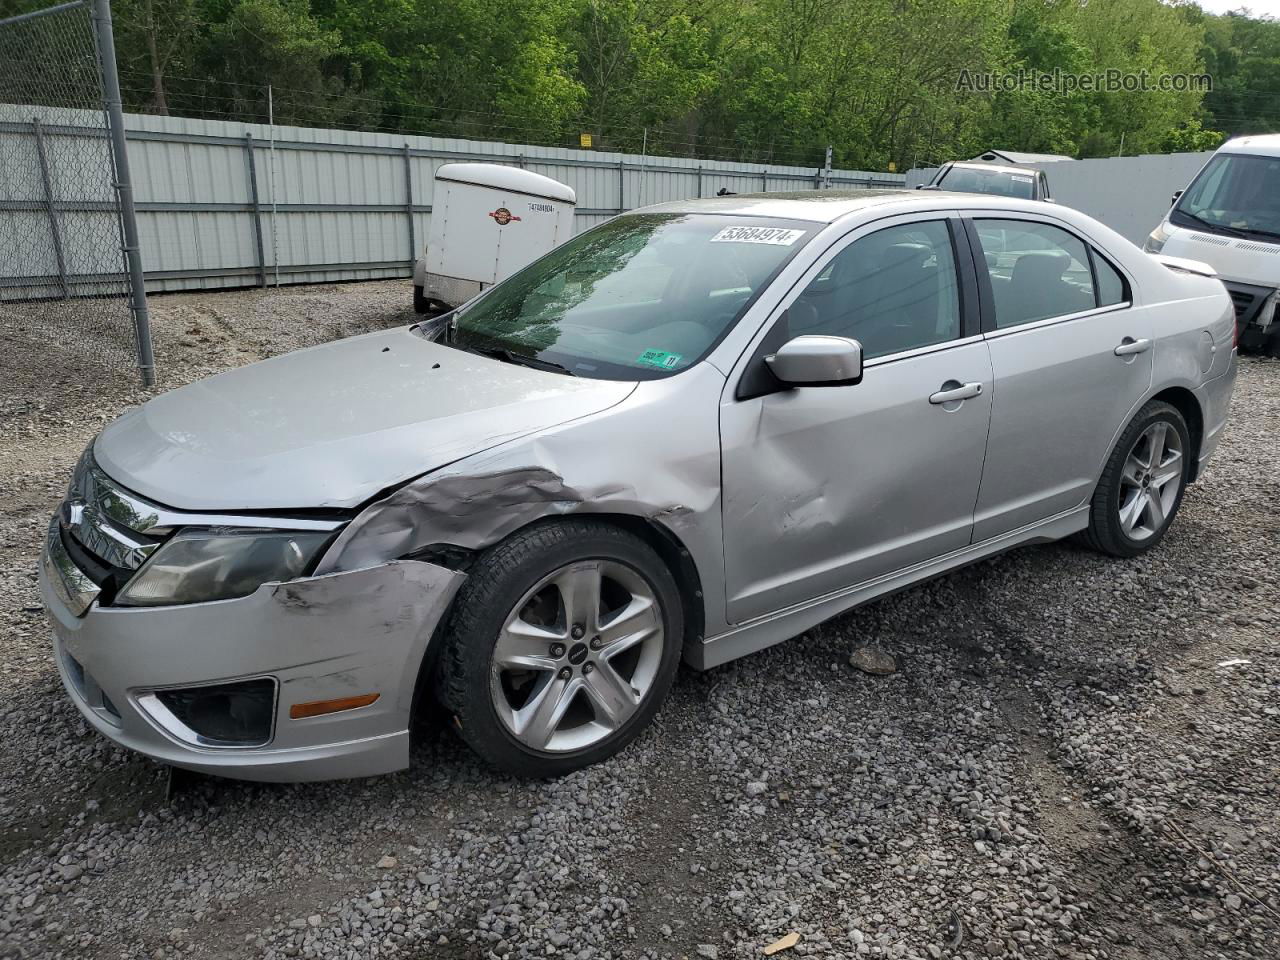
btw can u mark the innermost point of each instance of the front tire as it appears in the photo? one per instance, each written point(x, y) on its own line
point(562, 645)
point(1142, 486)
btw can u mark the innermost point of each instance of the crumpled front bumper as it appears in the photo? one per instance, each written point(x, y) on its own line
point(319, 638)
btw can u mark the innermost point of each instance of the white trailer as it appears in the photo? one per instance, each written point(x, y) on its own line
point(487, 221)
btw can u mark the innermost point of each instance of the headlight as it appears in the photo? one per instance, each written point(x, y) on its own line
point(1155, 243)
point(217, 564)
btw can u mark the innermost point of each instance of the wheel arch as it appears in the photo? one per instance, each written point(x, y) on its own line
point(1187, 404)
point(665, 542)
point(671, 550)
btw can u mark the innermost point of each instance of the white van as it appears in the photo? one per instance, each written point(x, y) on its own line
point(487, 221)
point(1229, 218)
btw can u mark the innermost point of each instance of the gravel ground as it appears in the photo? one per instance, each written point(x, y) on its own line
point(1076, 756)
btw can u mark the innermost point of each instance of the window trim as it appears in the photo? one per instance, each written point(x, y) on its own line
point(1126, 289)
point(987, 293)
point(1053, 321)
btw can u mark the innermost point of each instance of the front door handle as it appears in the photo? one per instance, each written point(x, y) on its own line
point(1129, 346)
point(954, 390)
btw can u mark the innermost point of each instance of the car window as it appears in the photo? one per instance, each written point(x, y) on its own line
point(1037, 271)
point(891, 290)
point(1000, 183)
point(1111, 286)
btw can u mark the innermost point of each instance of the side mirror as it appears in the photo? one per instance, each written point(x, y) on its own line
point(817, 361)
point(1176, 195)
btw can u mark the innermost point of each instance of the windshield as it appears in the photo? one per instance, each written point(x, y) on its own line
point(1001, 183)
point(1234, 192)
point(639, 297)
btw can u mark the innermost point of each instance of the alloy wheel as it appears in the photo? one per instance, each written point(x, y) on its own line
point(577, 655)
point(1151, 480)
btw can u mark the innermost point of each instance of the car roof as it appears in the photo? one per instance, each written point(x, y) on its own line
point(1265, 145)
point(828, 206)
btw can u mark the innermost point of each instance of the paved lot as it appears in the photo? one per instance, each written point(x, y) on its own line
point(1077, 757)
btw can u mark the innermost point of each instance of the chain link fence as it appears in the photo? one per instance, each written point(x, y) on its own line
point(67, 239)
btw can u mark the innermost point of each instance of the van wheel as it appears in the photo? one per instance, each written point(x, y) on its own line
point(562, 645)
point(1141, 488)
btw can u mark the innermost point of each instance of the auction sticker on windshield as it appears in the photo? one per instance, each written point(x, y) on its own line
point(659, 358)
point(778, 236)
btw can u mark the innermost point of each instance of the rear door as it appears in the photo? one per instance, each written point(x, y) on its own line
point(1071, 357)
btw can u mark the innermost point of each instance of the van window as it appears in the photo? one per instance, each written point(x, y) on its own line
point(1234, 193)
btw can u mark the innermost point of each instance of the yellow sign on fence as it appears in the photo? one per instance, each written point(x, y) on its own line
point(584, 139)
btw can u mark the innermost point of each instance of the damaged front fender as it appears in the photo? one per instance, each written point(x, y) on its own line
point(655, 456)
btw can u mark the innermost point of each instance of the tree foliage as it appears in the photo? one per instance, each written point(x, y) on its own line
point(769, 80)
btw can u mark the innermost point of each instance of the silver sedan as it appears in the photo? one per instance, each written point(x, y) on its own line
point(690, 433)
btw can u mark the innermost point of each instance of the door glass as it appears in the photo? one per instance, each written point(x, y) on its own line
point(1111, 286)
point(892, 290)
point(1037, 271)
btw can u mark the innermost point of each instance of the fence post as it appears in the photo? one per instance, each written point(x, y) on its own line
point(622, 187)
point(257, 209)
point(764, 180)
point(51, 208)
point(699, 181)
point(408, 203)
point(124, 188)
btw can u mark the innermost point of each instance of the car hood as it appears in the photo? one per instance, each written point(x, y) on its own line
point(334, 425)
point(1238, 259)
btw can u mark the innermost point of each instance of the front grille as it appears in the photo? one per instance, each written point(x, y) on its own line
point(106, 531)
point(87, 687)
point(76, 672)
point(1244, 304)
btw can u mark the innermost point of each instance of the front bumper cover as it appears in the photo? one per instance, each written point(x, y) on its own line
point(325, 637)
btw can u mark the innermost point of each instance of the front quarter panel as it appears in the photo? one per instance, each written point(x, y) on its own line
point(654, 456)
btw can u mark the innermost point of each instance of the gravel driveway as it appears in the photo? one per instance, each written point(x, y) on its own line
point(1076, 757)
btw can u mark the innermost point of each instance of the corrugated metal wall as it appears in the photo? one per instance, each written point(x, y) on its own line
point(221, 203)
point(1129, 194)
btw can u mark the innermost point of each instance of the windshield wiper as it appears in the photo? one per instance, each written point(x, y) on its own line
point(521, 359)
point(1220, 227)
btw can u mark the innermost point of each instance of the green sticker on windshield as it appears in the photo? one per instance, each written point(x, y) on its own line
point(659, 358)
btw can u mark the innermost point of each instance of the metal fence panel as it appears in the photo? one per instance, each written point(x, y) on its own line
point(1129, 194)
point(337, 204)
point(60, 215)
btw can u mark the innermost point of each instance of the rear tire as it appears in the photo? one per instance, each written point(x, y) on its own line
point(563, 643)
point(1141, 488)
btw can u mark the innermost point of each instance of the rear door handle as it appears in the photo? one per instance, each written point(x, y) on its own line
point(954, 390)
point(1129, 346)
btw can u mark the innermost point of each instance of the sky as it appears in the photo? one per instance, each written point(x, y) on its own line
point(1258, 8)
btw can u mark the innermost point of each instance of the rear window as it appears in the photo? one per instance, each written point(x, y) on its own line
point(999, 183)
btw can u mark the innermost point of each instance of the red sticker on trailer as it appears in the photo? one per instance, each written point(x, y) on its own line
point(503, 216)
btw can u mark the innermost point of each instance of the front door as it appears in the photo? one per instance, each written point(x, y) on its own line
point(829, 486)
